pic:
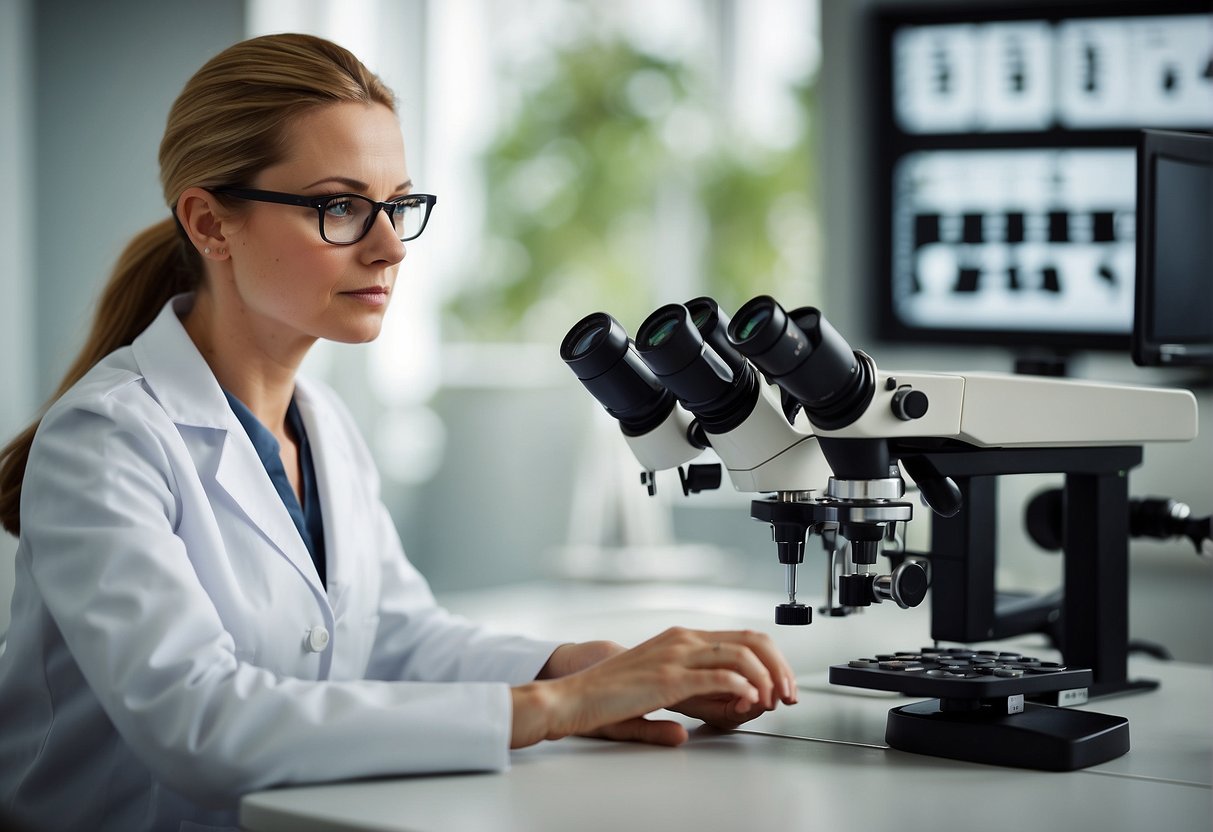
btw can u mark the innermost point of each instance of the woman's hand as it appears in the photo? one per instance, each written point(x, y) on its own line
point(568, 659)
point(723, 678)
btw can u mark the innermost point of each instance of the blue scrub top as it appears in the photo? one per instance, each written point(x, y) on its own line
point(307, 517)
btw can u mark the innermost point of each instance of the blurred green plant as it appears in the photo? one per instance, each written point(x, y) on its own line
point(581, 180)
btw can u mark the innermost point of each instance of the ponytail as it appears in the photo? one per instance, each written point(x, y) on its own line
point(156, 265)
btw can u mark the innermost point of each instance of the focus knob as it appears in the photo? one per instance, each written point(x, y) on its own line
point(906, 587)
point(794, 614)
point(909, 404)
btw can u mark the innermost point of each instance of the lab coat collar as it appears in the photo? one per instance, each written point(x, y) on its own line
point(177, 373)
point(190, 395)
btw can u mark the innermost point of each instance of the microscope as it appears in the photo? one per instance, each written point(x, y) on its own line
point(795, 414)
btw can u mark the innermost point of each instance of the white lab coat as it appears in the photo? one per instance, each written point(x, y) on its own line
point(171, 646)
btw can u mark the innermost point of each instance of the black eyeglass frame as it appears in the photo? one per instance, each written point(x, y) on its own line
point(321, 202)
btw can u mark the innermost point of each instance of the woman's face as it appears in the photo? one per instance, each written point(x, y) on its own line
point(288, 282)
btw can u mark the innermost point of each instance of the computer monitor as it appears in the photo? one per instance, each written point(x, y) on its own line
point(1173, 324)
point(1004, 164)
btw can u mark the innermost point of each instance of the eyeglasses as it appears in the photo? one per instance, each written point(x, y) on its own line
point(347, 218)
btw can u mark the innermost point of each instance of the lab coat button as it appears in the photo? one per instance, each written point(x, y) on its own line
point(317, 639)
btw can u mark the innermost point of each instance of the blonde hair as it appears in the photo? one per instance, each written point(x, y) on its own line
point(227, 125)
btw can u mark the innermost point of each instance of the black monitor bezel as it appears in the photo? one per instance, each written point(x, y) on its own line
point(1193, 147)
point(889, 143)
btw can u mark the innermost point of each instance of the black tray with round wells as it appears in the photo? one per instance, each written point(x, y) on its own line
point(958, 673)
point(980, 713)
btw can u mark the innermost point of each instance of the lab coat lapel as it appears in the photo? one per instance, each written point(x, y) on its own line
point(186, 388)
point(336, 497)
point(242, 475)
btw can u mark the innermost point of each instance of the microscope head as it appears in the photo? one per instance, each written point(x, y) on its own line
point(691, 360)
point(814, 365)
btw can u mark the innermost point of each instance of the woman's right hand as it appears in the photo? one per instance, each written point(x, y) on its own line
point(724, 678)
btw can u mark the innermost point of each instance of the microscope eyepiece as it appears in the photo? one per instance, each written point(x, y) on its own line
point(703, 312)
point(720, 390)
point(807, 358)
point(661, 331)
point(758, 325)
point(669, 343)
point(599, 353)
point(593, 345)
point(586, 338)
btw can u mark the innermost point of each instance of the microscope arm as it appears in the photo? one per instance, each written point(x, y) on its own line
point(993, 410)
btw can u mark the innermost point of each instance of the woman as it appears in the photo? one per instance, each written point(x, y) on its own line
point(210, 595)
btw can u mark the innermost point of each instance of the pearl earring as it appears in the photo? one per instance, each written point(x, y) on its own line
point(206, 250)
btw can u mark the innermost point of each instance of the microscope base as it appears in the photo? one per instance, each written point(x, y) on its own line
point(1041, 737)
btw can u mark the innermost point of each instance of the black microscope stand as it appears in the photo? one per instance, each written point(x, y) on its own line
point(1093, 628)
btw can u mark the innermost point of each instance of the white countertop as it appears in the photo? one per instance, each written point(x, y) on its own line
point(820, 764)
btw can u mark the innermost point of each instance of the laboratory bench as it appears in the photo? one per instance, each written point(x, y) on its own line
point(820, 764)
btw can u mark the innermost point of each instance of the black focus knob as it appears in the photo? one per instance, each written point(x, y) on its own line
point(906, 587)
point(857, 590)
point(698, 478)
point(793, 614)
point(910, 583)
point(909, 404)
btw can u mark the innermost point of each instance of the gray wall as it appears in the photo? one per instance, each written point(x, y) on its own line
point(79, 131)
point(16, 275)
point(98, 119)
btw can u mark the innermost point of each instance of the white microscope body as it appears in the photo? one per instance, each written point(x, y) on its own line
point(793, 412)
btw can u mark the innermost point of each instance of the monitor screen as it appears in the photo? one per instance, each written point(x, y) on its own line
point(1005, 173)
point(1174, 310)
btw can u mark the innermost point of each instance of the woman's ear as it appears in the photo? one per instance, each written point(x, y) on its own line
point(202, 217)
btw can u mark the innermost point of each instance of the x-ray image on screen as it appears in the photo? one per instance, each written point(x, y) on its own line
point(1015, 239)
point(1034, 74)
point(1003, 137)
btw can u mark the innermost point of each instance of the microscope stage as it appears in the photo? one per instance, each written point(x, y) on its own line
point(957, 674)
point(979, 713)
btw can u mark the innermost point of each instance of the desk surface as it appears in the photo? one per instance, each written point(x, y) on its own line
point(822, 763)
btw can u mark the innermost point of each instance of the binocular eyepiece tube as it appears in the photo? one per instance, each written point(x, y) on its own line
point(686, 347)
point(695, 353)
point(802, 353)
point(681, 353)
point(599, 353)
